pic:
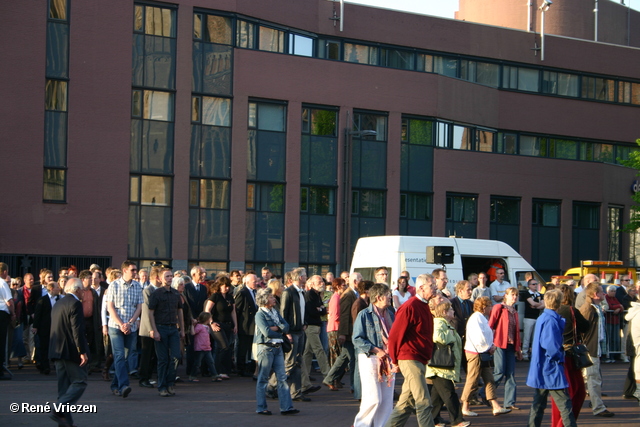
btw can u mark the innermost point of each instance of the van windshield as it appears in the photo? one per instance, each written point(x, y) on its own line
point(368, 273)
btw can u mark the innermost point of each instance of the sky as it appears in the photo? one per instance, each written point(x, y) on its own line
point(442, 8)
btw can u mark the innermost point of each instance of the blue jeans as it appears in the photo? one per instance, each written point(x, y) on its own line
point(208, 359)
point(504, 368)
point(563, 402)
point(122, 346)
point(167, 352)
point(271, 358)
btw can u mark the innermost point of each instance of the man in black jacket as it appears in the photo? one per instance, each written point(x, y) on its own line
point(68, 349)
point(246, 309)
point(42, 325)
point(292, 309)
point(313, 312)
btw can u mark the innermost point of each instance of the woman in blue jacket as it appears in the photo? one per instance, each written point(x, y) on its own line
point(377, 375)
point(546, 372)
point(268, 338)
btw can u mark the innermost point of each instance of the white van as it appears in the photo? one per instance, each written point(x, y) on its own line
point(399, 253)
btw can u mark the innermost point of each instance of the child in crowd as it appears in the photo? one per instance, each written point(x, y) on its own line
point(202, 347)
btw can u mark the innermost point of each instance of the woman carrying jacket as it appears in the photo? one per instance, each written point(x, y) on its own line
point(443, 391)
point(377, 375)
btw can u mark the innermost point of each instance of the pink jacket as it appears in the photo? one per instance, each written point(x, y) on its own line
point(201, 341)
point(333, 318)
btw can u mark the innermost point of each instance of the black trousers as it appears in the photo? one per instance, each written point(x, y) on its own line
point(148, 358)
point(443, 392)
point(244, 354)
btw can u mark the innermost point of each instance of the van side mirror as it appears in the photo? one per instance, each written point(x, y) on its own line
point(439, 254)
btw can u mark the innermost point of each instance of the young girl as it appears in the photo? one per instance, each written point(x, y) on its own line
point(202, 347)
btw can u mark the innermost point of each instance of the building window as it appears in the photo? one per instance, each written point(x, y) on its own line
point(271, 40)
point(505, 220)
point(152, 133)
point(209, 219)
point(212, 54)
point(150, 217)
point(614, 242)
point(55, 114)
point(461, 215)
point(520, 78)
point(545, 236)
point(300, 45)
point(586, 231)
point(361, 54)
point(598, 88)
point(416, 161)
point(318, 176)
point(266, 175)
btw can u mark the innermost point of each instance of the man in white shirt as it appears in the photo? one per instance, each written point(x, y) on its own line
point(498, 287)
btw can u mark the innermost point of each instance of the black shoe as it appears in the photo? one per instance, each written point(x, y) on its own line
point(134, 375)
point(126, 392)
point(605, 413)
point(145, 383)
point(116, 392)
point(265, 412)
point(290, 412)
point(302, 399)
point(311, 389)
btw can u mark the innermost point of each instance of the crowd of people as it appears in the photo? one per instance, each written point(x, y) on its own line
point(137, 322)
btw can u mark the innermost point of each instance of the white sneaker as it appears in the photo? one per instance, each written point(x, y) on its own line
point(463, 424)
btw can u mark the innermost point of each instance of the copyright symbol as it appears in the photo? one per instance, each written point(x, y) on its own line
point(14, 407)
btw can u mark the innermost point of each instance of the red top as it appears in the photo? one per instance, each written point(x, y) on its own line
point(499, 322)
point(411, 336)
point(333, 318)
point(610, 318)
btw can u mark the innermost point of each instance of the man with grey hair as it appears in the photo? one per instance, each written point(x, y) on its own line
point(165, 312)
point(246, 312)
point(410, 348)
point(69, 350)
point(589, 278)
point(292, 309)
point(345, 330)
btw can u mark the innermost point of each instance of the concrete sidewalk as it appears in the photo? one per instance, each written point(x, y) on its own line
point(232, 403)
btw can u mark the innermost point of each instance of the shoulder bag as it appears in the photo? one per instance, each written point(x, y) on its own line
point(579, 351)
point(442, 356)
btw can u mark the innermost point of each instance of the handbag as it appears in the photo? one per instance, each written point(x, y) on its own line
point(486, 360)
point(442, 356)
point(286, 344)
point(579, 351)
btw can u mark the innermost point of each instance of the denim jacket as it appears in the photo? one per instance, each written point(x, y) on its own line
point(263, 327)
point(367, 331)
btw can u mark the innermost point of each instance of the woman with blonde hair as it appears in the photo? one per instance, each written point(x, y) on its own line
point(443, 391)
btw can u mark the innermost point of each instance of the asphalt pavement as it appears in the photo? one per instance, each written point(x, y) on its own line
point(232, 403)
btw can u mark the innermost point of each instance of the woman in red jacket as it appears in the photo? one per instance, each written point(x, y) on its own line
point(506, 337)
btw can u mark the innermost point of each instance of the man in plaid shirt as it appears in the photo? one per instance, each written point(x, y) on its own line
point(124, 303)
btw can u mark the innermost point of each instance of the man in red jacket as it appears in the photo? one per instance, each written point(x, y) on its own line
point(410, 347)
